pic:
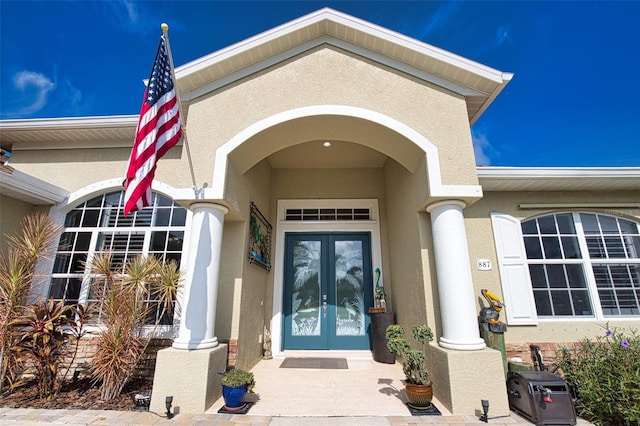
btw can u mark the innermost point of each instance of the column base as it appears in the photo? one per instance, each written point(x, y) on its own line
point(200, 344)
point(191, 377)
point(461, 379)
point(458, 345)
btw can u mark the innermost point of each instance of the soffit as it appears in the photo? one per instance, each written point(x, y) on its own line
point(559, 179)
point(478, 83)
point(69, 133)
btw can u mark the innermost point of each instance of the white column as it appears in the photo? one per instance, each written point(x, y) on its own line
point(200, 293)
point(457, 304)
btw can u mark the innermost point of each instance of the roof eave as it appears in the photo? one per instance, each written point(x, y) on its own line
point(21, 186)
point(506, 78)
point(559, 178)
point(112, 121)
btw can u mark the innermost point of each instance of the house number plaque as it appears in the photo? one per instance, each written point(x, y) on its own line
point(483, 264)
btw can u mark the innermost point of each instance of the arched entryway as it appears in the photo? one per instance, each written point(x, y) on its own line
point(342, 152)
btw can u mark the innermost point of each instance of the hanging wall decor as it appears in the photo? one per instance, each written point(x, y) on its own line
point(259, 239)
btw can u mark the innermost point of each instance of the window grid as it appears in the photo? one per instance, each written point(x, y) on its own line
point(570, 281)
point(99, 225)
point(329, 214)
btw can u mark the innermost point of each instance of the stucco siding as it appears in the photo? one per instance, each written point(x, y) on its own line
point(73, 169)
point(327, 183)
point(327, 76)
point(482, 246)
point(12, 212)
point(243, 287)
point(408, 287)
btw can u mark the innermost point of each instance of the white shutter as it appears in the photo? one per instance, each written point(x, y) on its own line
point(520, 306)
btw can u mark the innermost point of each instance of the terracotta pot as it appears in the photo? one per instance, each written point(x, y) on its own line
point(419, 395)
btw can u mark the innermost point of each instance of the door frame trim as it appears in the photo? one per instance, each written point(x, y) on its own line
point(283, 226)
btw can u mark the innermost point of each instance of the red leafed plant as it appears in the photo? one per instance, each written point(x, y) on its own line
point(41, 340)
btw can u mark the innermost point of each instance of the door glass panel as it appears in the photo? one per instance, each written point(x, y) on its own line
point(306, 300)
point(349, 290)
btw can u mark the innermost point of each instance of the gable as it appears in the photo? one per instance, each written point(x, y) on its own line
point(478, 84)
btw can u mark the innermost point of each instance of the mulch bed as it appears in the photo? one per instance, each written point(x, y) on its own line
point(76, 395)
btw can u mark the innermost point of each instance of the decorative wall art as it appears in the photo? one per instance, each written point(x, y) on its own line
point(259, 239)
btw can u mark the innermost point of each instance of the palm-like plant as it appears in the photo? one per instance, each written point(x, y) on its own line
point(306, 264)
point(127, 301)
point(36, 240)
point(40, 339)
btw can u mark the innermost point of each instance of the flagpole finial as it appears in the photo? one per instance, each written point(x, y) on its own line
point(164, 27)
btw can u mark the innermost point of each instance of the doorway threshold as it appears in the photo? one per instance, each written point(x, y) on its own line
point(348, 354)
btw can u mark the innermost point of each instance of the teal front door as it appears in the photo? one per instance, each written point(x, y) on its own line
point(328, 289)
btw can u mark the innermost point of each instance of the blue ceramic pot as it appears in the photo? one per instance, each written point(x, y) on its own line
point(233, 397)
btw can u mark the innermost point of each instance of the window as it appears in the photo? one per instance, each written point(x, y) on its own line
point(99, 225)
point(583, 264)
point(333, 214)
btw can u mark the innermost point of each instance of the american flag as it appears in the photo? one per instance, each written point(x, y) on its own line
point(159, 129)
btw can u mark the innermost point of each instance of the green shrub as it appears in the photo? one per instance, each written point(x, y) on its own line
point(605, 372)
point(413, 360)
point(236, 378)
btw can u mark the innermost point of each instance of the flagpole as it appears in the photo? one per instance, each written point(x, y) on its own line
point(165, 33)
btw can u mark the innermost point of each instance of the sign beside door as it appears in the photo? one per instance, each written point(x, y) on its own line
point(327, 290)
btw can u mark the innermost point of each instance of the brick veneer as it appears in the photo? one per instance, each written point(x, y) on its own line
point(87, 349)
point(547, 349)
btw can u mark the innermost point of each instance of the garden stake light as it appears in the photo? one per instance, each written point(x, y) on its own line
point(485, 410)
point(168, 401)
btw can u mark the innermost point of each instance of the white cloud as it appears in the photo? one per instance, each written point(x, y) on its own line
point(503, 35)
point(38, 87)
point(125, 11)
point(72, 97)
point(440, 18)
point(130, 8)
point(126, 15)
point(481, 148)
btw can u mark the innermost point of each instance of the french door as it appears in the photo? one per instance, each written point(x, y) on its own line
point(328, 289)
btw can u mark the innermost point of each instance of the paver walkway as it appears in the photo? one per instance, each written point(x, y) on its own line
point(367, 394)
point(32, 416)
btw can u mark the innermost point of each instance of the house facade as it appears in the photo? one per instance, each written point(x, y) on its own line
point(324, 159)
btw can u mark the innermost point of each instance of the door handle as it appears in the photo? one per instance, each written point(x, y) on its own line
point(324, 309)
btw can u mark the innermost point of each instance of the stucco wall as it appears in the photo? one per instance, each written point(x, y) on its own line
point(12, 212)
point(324, 76)
point(481, 246)
point(73, 169)
point(242, 294)
point(327, 76)
point(256, 280)
point(410, 247)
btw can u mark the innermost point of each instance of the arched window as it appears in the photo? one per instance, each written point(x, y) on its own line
point(99, 225)
point(583, 264)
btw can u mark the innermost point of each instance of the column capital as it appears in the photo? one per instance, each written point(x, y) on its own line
point(443, 203)
point(204, 204)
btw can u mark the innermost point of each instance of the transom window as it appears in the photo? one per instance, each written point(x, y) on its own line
point(583, 264)
point(333, 214)
point(99, 225)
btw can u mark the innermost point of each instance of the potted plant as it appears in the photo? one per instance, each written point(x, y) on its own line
point(418, 385)
point(235, 385)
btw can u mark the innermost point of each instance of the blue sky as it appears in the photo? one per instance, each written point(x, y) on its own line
point(574, 100)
